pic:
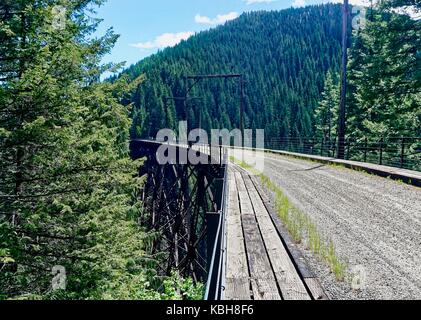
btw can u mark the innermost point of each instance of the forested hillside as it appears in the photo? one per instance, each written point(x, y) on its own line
point(284, 56)
point(291, 60)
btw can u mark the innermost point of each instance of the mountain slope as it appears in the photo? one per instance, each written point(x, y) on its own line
point(284, 56)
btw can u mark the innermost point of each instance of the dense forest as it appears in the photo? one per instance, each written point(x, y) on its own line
point(384, 97)
point(69, 192)
point(284, 56)
point(290, 60)
point(69, 204)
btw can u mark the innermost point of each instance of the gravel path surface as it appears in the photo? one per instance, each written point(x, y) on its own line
point(375, 224)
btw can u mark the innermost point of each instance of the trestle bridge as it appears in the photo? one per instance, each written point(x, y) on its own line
point(218, 226)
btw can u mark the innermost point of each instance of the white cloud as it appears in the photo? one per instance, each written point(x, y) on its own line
point(357, 2)
point(220, 18)
point(365, 3)
point(299, 3)
point(164, 40)
point(409, 10)
point(248, 2)
point(202, 19)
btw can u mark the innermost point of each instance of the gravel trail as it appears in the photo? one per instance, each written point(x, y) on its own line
point(375, 224)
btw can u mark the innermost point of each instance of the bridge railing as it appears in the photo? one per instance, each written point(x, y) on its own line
point(216, 275)
point(217, 153)
point(401, 152)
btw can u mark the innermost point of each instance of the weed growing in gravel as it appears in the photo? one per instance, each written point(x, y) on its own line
point(337, 166)
point(300, 226)
point(337, 267)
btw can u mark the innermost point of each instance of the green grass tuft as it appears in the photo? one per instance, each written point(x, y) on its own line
point(300, 226)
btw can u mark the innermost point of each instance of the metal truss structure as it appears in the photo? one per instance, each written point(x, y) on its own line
point(182, 204)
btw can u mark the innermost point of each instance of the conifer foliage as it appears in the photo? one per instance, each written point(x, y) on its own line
point(67, 185)
point(385, 73)
point(326, 114)
point(284, 56)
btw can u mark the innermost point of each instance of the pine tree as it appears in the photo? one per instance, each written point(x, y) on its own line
point(326, 114)
point(283, 55)
point(385, 76)
point(67, 186)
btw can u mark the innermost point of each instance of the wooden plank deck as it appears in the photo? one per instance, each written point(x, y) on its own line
point(237, 283)
point(258, 264)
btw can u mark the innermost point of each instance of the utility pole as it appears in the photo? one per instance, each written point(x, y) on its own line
point(342, 107)
point(242, 108)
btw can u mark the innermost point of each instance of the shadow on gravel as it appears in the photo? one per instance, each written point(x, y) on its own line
point(309, 169)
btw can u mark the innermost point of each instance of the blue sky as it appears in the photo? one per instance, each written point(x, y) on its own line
point(146, 26)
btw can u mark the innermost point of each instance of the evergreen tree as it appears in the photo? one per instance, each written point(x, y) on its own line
point(67, 186)
point(284, 56)
point(385, 74)
point(326, 114)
